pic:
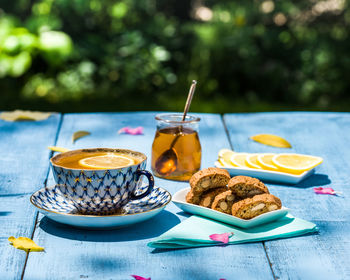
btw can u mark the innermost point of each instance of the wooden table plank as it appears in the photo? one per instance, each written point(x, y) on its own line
point(324, 255)
point(23, 169)
point(116, 254)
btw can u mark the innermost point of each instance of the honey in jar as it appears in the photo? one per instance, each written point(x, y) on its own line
point(176, 149)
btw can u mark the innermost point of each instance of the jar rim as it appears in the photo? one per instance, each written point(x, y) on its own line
point(166, 117)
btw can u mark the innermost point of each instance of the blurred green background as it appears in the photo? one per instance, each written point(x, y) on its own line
point(93, 55)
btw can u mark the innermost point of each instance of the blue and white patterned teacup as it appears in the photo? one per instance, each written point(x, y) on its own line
point(101, 191)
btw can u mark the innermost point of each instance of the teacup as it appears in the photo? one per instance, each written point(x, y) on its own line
point(96, 190)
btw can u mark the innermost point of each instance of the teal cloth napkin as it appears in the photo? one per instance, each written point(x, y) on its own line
point(195, 231)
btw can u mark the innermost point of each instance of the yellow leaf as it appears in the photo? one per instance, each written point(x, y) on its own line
point(271, 140)
point(25, 244)
point(58, 149)
point(19, 115)
point(79, 134)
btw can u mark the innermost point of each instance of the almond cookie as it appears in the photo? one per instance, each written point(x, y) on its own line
point(251, 207)
point(192, 198)
point(207, 198)
point(223, 202)
point(244, 186)
point(209, 178)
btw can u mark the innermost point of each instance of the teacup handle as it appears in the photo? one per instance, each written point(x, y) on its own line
point(150, 184)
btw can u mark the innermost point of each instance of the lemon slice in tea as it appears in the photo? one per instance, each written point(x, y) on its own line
point(225, 157)
point(295, 163)
point(106, 162)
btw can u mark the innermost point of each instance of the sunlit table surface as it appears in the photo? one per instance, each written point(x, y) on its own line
point(72, 253)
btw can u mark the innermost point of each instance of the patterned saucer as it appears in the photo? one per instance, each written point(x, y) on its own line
point(52, 203)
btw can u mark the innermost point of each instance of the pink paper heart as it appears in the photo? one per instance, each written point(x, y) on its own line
point(321, 190)
point(131, 131)
point(136, 277)
point(222, 237)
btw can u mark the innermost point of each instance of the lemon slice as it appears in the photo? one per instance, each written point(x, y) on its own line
point(265, 160)
point(252, 161)
point(106, 162)
point(295, 163)
point(239, 159)
point(225, 157)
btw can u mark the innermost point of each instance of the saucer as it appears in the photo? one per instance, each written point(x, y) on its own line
point(179, 200)
point(52, 203)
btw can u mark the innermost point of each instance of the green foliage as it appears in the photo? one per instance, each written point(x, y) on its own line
point(91, 55)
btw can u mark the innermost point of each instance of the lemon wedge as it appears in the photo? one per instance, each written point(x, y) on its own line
point(252, 161)
point(265, 160)
point(225, 157)
point(239, 159)
point(106, 162)
point(295, 163)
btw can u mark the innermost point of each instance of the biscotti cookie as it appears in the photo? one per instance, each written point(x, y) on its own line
point(223, 202)
point(251, 207)
point(192, 198)
point(244, 186)
point(208, 197)
point(209, 178)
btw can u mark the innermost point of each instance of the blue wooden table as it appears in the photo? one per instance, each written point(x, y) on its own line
point(72, 253)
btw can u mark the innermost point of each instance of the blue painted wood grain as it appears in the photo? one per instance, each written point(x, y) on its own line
point(24, 164)
point(327, 254)
point(116, 254)
point(23, 146)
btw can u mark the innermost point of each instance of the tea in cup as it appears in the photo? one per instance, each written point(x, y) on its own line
point(100, 181)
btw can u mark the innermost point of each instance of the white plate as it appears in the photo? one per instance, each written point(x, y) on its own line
point(51, 203)
point(267, 175)
point(180, 201)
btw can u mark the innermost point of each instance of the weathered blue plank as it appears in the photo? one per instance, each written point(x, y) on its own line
point(116, 254)
point(24, 160)
point(322, 256)
point(24, 166)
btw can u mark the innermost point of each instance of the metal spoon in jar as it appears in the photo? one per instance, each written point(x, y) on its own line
point(167, 161)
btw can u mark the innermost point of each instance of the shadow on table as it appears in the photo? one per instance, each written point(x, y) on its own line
point(144, 230)
point(314, 180)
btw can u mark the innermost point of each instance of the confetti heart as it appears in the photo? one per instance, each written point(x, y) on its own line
point(321, 190)
point(223, 237)
point(131, 131)
point(136, 277)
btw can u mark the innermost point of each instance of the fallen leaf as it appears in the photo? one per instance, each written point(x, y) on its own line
point(321, 190)
point(25, 244)
point(19, 115)
point(271, 140)
point(79, 134)
point(223, 237)
point(58, 149)
point(140, 277)
point(131, 131)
